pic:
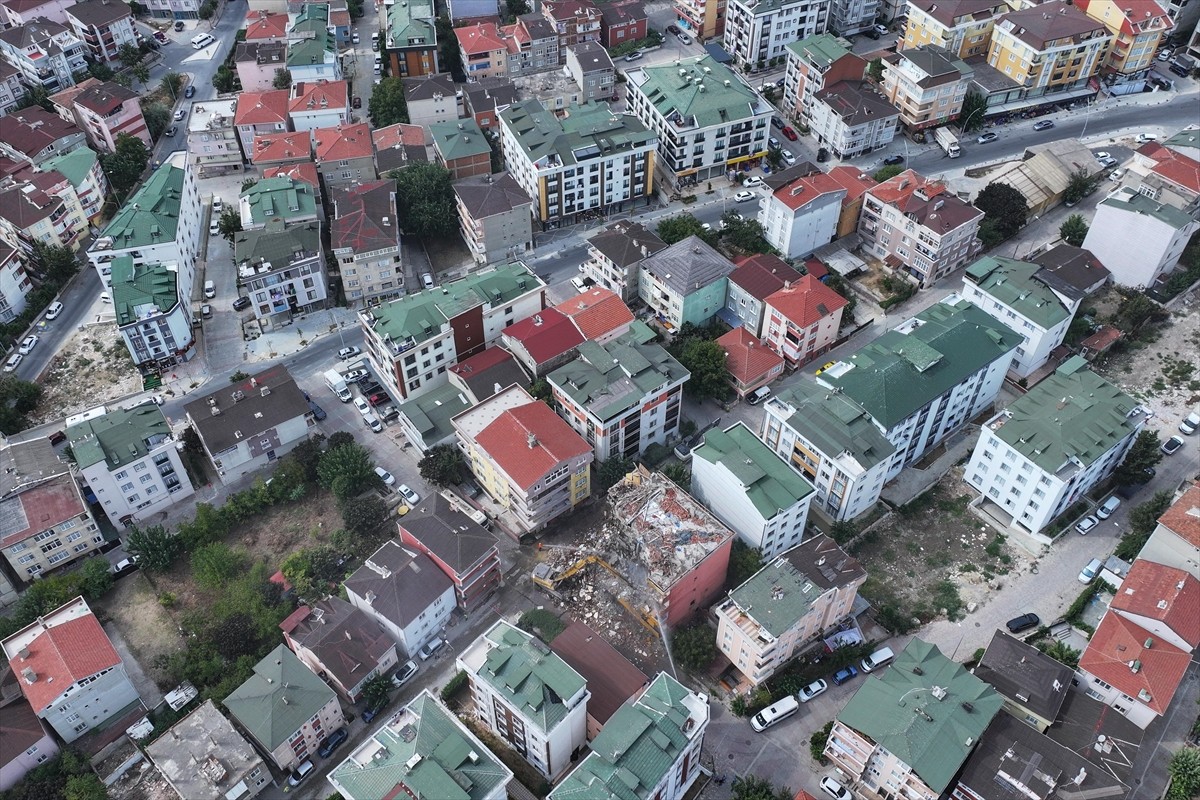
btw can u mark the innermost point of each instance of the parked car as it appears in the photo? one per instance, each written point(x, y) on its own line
point(13, 362)
point(1043, 125)
point(388, 478)
point(356, 102)
point(362, 406)
point(379, 399)
point(892, 161)
point(53, 310)
point(789, 133)
point(410, 497)
point(373, 422)
point(1187, 427)
point(241, 303)
point(812, 690)
point(674, 29)
point(789, 158)
point(634, 56)
point(881, 29)
point(372, 712)
point(162, 37)
point(124, 566)
point(845, 674)
point(189, 92)
point(178, 25)
point(179, 115)
point(743, 197)
point(27, 345)
point(348, 352)
point(301, 772)
point(831, 787)
point(331, 742)
point(776, 122)
point(752, 181)
point(822, 155)
point(683, 37)
point(355, 375)
point(206, 311)
point(404, 674)
point(1171, 446)
point(1108, 162)
point(1142, 138)
point(775, 143)
point(171, 131)
point(1089, 572)
point(354, 38)
point(429, 648)
point(318, 413)
point(1164, 55)
point(1085, 525)
point(1108, 508)
point(1023, 623)
point(990, 136)
point(871, 33)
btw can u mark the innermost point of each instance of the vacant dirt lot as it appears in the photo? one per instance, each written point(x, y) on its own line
point(92, 368)
point(933, 558)
point(146, 626)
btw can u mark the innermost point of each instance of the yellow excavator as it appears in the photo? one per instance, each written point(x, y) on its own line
point(549, 579)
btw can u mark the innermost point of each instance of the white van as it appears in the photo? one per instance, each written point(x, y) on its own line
point(202, 41)
point(881, 657)
point(210, 291)
point(758, 395)
point(1110, 505)
point(774, 713)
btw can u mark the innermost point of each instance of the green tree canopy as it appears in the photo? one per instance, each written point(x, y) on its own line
point(140, 73)
point(125, 166)
point(887, 172)
point(448, 49)
point(225, 80)
point(679, 227)
point(311, 570)
point(706, 361)
point(377, 691)
point(157, 117)
point(1073, 230)
point(744, 561)
point(428, 208)
point(1078, 185)
point(443, 465)
point(156, 548)
point(752, 787)
point(387, 105)
point(365, 515)
point(745, 234)
point(1004, 212)
point(172, 84)
point(53, 263)
point(694, 647)
point(609, 472)
point(347, 471)
point(129, 54)
point(99, 71)
point(875, 70)
point(972, 114)
point(229, 223)
point(282, 79)
point(216, 564)
point(1143, 519)
point(17, 399)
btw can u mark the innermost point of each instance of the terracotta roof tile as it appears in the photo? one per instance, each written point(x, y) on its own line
point(285, 146)
point(802, 191)
point(762, 275)
point(400, 134)
point(597, 312)
point(482, 37)
point(309, 96)
point(1118, 643)
point(746, 357)
point(44, 506)
point(1183, 517)
point(1177, 168)
point(546, 334)
point(853, 180)
point(528, 442)
point(261, 108)
point(806, 302)
point(305, 172)
point(1164, 593)
point(342, 142)
point(261, 25)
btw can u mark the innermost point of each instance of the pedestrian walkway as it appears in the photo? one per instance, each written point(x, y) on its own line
point(303, 331)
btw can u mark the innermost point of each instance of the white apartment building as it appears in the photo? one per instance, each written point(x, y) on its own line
point(657, 737)
point(528, 696)
point(749, 488)
point(130, 460)
point(413, 340)
point(851, 118)
point(586, 161)
point(1015, 293)
point(707, 119)
point(615, 252)
point(802, 215)
point(403, 590)
point(758, 31)
point(14, 284)
point(46, 53)
point(212, 138)
point(1047, 450)
point(916, 227)
point(365, 238)
point(159, 224)
point(104, 26)
point(622, 396)
point(154, 314)
point(795, 598)
point(848, 17)
point(1138, 238)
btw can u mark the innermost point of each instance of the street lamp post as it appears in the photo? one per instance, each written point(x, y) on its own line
point(971, 116)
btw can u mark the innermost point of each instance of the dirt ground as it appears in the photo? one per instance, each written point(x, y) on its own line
point(92, 368)
point(933, 557)
point(146, 626)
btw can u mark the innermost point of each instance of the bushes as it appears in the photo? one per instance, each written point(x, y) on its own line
point(453, 686)
point(542, 624)
point(47, 594)
point(817, 742)
point(694, 647)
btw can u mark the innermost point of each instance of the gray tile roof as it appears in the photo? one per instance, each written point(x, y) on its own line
point(454, 537)
point(688, 265)
point(1026, 675)
point(405, 582)
point(249, 414)
point(625, 242)
point(488, 195)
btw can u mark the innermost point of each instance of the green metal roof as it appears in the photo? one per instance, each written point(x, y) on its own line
point(151, 215)
point(635, 749)
point(278, 698)
point(75, 165)
point(588, 131)
point(610, 379)
point(777, 596)
point(764, 476)
point(142, 290)
point(1189, 137)
point(925, 709)
point(277, 244)
point(419, 315)
point(835, 424)
point(898, 373)
point(1072, 414)
point(822, 49)
point(280, 198)
point(522, 670)
point(430, 413)
point(303, 52)
point(673, 93)
point(1014, 284)
point(423, 752)
point(119, 437)
point(459, 138)
point(1140, 204)
point(411, 24)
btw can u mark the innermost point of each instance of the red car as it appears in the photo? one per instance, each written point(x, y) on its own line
point(378, 399)
point(789, 133)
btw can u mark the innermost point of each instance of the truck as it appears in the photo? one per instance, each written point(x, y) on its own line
point(947, 141)
point(337, 385)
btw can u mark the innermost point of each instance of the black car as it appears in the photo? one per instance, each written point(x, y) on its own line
point(317, 412)
point(822, 155)
point(240, 303)
point(1023, 623)
point(178, 25)
point(893, 160)
point(674, 29)
point(871, 33)
point(331, 742)
point(371, 713)
point(189, 91)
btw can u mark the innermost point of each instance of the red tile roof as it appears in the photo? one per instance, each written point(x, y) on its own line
point(45, 506)
point(398, 135)
point(482, 37)
point(271, 147)
point(305, 172)
point(261, 108)
point(806, 302)
point(1139, 11)
point(1117, 644)
point(481, 361)
point(1102, 339)
point(261, 25)
point(1183, 517)
point(762, 275)
point(360, 214)
point(802, 191)
point(1174, 167)
point(815, 268)
point(342, 142)
point(597, 312)
point(529, 441)
point(853, 180)
point(68, 645)
point(546, 334)
point(322, 95)
point(746, 357)
point(1163, 593)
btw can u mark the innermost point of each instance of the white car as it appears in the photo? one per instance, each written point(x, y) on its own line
point(53, 310)
point(789, 157)
point(1103, 154)
point(218, 205)
point(1142, 138)
point(179, 115)
point(354, 38)
point(752, 181)
point(834, 789)
point(404, 674)
point(812, 690)
point(743, 197)
point(348, 352)
point(362, 405)
point(214, 225)
point(385, 476)
point(1086, 524)
point(410, 497)
point(13, 362)
point(27, 345)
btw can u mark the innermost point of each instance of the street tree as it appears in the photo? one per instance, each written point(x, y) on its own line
point(155, 547)
point(746, 235)
point(347, 471)
point(387, 105)
point(53, 263)
point(426, 200)
point(365, 515)
point(1074, 230)
point(99, 71)
point(140, 73)
point(125, 166)
point(129, 54)
point(377, 691)
point(225, 79)
point(1078, 185)
point(887, 172)
point(971, 116)
point(172, 84)
point(694, 647)
point(1143, 519)
point(752, 787)
point(706, 361)
point(229, 223)
point(443, 465)
point(1004, 211)
point(157, 117)
point(681, 226)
